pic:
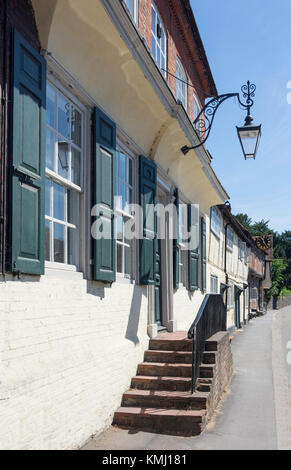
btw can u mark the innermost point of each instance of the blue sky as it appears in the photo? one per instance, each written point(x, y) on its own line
point(251, 40)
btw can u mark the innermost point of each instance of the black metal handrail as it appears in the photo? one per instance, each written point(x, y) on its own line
point(211, 318)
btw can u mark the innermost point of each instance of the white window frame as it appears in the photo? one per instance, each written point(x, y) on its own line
point(158, 48)
point(181, 78)
point(213, 279)
point(53, 176)
point(214, 222)
point(134, 13)
point(121, 147)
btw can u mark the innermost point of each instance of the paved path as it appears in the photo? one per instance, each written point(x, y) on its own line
point(255, 407)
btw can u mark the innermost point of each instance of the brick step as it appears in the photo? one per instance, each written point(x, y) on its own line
point(172, 357)
point(211, 345)
point(143, 382)
point(171, 345)
point(206, 371)
point(176, 422)
point(165, 399)
point(164, 369)
point(209, 357)
point(200, 387)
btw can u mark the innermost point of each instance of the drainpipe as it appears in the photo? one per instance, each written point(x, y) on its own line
point(4, 115)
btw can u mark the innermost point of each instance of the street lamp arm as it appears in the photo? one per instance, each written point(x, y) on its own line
point(203, 122)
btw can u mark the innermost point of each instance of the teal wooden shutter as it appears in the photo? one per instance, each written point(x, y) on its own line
point(193, 253)
point(176, 254)
point(28, 158)
point(104, 268)
point(148, 189)
point(203, 254)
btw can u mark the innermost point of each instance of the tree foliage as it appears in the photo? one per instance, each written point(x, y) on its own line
point(281, 266)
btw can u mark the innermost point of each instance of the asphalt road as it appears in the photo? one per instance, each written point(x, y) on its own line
point(256, 411)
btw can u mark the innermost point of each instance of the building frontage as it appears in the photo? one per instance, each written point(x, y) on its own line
point(239, 266)
point(260, 264)
point(228, 264)
point(98, 98)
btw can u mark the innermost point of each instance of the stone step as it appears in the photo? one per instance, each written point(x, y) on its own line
point(209, 357)
point(206, 371)
point(171, 357)
point(142, 382)
point(170, 345)
point(167, 421)
point(165, 399)
point(164, 369)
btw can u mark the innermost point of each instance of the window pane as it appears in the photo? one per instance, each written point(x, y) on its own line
point(73, 207)
point(51, 106)
point(122, 166)
point(119, 258)
point(73, 246)
point(154, 46)
point(47, 238)
point(76, 170)
point(122, 194)
point(47, 197)
point(63, 116)
point(130, 171)
point(59, 243)
point(163, 40)
point(158, 57)
point(50, 150)
point(63, 159)
point(119, 228)
point(163, 64)
point(76, 127)
point(59, 202)
point(130, 6)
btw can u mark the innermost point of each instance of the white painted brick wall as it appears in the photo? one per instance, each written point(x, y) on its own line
point(186, 307)
point(68, 351)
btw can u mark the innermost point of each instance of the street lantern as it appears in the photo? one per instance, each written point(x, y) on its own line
point(249, 134)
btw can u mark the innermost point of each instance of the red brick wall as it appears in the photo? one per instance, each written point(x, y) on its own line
point(19, 15)
point(177, 29)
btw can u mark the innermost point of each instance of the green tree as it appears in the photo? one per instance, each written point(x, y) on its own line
point(261, 228)
point(278, 271)
point(245, 220)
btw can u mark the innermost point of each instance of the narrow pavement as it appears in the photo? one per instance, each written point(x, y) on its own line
point(256, 410)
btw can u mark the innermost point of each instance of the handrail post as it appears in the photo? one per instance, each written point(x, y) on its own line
point(193, 360)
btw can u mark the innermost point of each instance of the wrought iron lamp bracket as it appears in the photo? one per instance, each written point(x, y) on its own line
point(203, 122)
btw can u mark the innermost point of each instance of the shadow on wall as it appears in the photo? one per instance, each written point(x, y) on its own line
point(134, 315)
point(19, 278)
point(96, 289)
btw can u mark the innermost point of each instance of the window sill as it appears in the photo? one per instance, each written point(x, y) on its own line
point(124, 279)
point(62, 270)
